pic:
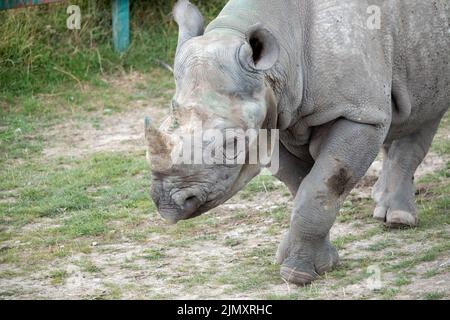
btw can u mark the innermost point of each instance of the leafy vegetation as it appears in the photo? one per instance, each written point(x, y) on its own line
point(38, 53)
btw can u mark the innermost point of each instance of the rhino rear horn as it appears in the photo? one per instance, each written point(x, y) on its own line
point(189, 19)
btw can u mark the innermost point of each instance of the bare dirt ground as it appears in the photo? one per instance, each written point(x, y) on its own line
point(228, 253)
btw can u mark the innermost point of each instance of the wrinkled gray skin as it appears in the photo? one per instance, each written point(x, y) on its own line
point(337, 91)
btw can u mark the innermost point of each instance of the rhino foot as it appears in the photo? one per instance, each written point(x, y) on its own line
point(303, 268)
point(396, 210)
point(395, 205)
point(395, 218)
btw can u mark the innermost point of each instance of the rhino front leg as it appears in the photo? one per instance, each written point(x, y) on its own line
point(291, 172)
point(345, 155)
point(292, 169)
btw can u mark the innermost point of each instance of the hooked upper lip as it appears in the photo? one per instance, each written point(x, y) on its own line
point(180, 215)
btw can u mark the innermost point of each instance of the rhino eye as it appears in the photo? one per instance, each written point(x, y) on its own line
point(231, 149)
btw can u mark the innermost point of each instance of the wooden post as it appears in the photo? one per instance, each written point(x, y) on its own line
point(121, 24)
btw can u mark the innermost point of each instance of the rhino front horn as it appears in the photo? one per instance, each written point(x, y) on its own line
point(158, 146)
point(157, 140)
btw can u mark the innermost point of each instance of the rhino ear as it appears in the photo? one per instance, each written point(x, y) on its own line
point(189, 19)
point(264, 46)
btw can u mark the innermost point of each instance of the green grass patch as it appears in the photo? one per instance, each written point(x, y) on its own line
point(435, 271)
point(427, 255)
point(436, 295)
point(58, 276)
point(381, 245)
point(99, 183)
point(262, 183)
point(441, 145)
point(388, 293)
point(355, 210)
point(402, 280)
point(340, 242)
point(154, 254)
point(88, 266)
point(256, 269)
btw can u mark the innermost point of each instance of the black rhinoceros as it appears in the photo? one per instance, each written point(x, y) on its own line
point(340, 80)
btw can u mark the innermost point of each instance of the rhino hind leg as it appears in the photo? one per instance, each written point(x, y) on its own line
point(381, 184)
point(394, 191)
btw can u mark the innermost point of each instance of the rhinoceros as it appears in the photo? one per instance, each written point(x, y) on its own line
point(340, 80)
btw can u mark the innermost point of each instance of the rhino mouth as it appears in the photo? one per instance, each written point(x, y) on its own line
point(220, 198)
point(174, 214)
point(205, 207)
point(202, 202)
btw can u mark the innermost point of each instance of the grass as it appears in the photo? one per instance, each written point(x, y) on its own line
point(93, 210)
point(381, 245)
point(38, 53)
point(58, 207)
point(402, 281)
point(389, 293)
point(58, 276)
point(427, 255)
point(82, 198)
point(153, 254)
point(44, 66)
point(242, 280)
point(22, 131)
point(441, 143)
point(103, 198)
point(262, 183)
point(113, 292)
point(50, 189)
point(340, 242)
point(435, 271)
point(434, 295)
point(88, 266)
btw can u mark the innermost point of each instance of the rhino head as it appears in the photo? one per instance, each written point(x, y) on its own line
point(220, 85)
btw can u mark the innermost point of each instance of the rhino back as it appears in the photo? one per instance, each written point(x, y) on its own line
point(421, 79)
point(332, 64)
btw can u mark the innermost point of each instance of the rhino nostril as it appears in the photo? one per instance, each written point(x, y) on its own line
point(191, 204)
